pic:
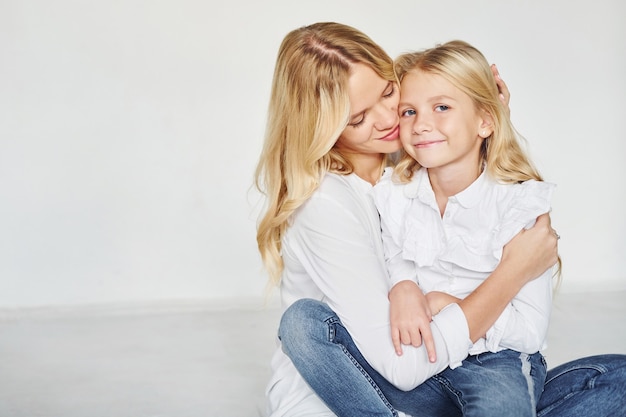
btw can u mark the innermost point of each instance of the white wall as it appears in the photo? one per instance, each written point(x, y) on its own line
point(129, 132)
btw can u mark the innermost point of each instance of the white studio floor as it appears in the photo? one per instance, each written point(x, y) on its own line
point(198, 360)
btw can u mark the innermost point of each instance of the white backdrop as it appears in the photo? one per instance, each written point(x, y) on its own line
point(130, 130)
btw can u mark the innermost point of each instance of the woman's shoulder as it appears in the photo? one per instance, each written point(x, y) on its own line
point(332, 182)
point(341, 188)
point(337, 204)
point(336, 192)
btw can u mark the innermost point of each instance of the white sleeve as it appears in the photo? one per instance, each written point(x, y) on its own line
point(335, 241)
point(523, 325)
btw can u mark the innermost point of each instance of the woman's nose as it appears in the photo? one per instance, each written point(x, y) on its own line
point(387, 118)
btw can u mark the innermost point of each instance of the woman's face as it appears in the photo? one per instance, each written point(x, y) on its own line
point(373, 127)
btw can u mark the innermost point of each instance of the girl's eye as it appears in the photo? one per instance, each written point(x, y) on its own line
point(408, 113)
point(441, 107)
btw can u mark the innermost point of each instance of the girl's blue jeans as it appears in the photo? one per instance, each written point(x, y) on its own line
point(492, 384)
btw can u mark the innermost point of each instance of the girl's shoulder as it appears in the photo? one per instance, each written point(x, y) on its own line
point(522, 204)
point(527, 193)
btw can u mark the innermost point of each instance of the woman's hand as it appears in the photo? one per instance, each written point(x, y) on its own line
point(437, 300)
point(505, 95)
point(410, 318)
point(534, 250)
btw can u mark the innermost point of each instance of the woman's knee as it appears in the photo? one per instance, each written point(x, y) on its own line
point(303, 321)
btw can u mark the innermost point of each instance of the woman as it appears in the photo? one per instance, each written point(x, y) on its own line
point(332, 123)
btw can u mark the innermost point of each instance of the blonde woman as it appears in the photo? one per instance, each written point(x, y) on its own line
point(332, 123)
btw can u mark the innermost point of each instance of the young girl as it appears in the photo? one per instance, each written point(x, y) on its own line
point(463, 189)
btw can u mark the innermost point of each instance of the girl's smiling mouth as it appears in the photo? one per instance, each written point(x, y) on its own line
point(427, 144)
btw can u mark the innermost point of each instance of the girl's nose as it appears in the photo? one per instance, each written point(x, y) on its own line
point(421, 125)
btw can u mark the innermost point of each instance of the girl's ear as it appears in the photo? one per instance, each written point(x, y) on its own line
point(485, 128)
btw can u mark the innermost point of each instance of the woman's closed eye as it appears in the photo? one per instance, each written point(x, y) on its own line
point(358, 121)
point(390, 90)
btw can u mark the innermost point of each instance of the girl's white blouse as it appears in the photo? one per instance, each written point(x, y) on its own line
point(455, 252)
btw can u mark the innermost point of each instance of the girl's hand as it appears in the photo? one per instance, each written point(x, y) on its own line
point(410, 318)
point(437, 300)
point(505, 95)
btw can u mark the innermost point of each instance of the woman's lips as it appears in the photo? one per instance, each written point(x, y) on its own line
point(393, 135)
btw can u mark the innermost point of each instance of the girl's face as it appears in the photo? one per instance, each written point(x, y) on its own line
point(373, 125)
point(439, 124)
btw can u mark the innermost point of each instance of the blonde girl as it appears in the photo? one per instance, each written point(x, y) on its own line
point(463, 188)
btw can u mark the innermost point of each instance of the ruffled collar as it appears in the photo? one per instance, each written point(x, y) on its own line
point(420, 188)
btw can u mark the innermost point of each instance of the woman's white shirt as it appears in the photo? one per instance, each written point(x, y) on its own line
point(332, 251)
point(455, 252)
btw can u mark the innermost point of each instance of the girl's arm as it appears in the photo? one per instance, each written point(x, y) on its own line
point(524, 258)
point(523, 325)
point(438, 300)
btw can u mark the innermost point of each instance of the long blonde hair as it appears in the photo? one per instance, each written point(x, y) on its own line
point(309, 109)
point(467, 69)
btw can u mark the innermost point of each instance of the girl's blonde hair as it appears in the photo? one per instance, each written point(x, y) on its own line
point(309, 109)
point(467, 69)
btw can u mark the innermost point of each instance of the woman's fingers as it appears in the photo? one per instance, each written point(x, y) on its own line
point(505, 94)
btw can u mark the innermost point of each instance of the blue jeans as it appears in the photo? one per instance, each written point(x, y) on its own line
point(323, 352)
point(506, 383)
